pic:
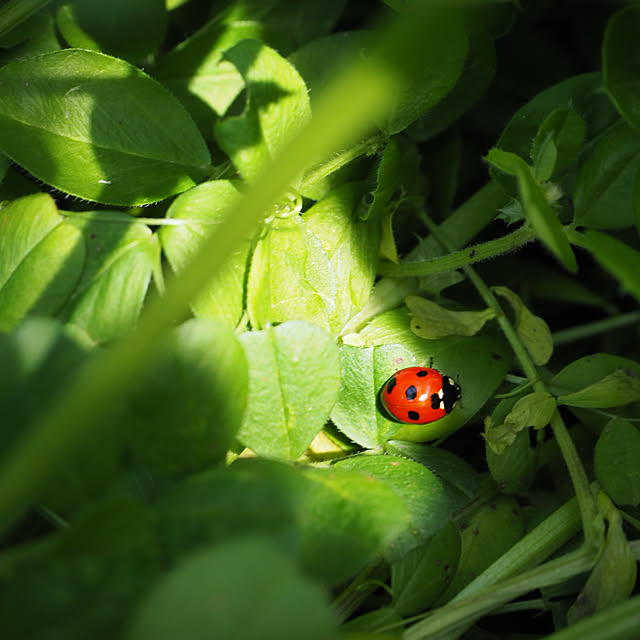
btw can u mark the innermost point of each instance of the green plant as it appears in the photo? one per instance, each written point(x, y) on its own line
point(269, 218)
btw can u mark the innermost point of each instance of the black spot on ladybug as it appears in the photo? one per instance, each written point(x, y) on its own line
point(422, 374)
point(411, 392)
point(413, 415)
point(391, 385)
point(435, 401)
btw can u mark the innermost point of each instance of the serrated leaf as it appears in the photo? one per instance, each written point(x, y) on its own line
point(122, 254)
point(291, 277)
point(622, 261)
point(201, 208)
point(294, 377)
point(85, 127)
point(431, 321)
point(533, 330)
point(615, 460)
point(41, 259)
point(277, 107)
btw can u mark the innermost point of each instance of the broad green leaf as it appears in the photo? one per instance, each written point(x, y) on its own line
point(247, 575)
point(85, 126)
point(618, 258)
point(443, 57)
point(294, 377)
point(486, 535)
point(419, 489)
point(616, 462)
point(557, 142)
point(31, 37)
point(277, 108)
point(122, 254)
point(333, 521)
point(533, 330)
point(513, 469)
point(291, 276)
point(478, 364)
point(613, 390)
point(620, 75)
point(536, 207)
point(604, 189)
point(421, 575)
point(115, 27)
point(196, 213)
point(85, 581)
point(613, 579)
point(41, 259)
point(431, 321)
point(185, 411)
point(197, 74)
point(351, 246)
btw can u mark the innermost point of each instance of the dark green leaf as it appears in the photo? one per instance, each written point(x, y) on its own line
point(514, 468)
point(85, 126)
point(114, 27)
point(186, 410)
point(213, 590)
point(616, 462)
point(293, 383)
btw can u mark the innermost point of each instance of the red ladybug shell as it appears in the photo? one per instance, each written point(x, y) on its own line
point(418, 395)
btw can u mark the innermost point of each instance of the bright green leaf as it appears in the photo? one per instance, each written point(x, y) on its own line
point(201, 208)
point(293, 383)
point(277, 108)
point(618, 258)
point(41, 259)
point(613, 390)
point(616, 458)
point(532, 329)
point(431, 321)
point(86, 127)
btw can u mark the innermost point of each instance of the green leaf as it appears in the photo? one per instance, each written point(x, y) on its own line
point(513, 468)
point(114, 28)
point(185, 411)
point(416, 486)
point(41, 259)
point(431, 321)
point(532, 330)
point(294, 377)
point(421, 575)
point(197, 74)
point(351, 245)
point(486, 535)
point(247, 575)
point(557, 142)
point(604, 188)
point(478, 364)
point(201, 208)
point(613, 390)
point(616, 462)
point(617, 258)
point(291, 277)
point(84, 582)
point(613, 579)
point(84, 126)
point(443, 56)
point(277, 108)
point(620, 75)
point(537, 209)
point(122, 254)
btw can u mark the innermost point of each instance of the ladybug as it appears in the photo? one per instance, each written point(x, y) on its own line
point(418, 395)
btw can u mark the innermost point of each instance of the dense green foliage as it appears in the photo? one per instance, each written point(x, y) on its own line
point(224, 225)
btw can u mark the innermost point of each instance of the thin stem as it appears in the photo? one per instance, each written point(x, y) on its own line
point(594, 328)
point(588, 510)
point(461, 258)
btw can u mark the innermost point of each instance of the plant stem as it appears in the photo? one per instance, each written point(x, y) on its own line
point(577, 473)
point(594, 328)
point(458, 259)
